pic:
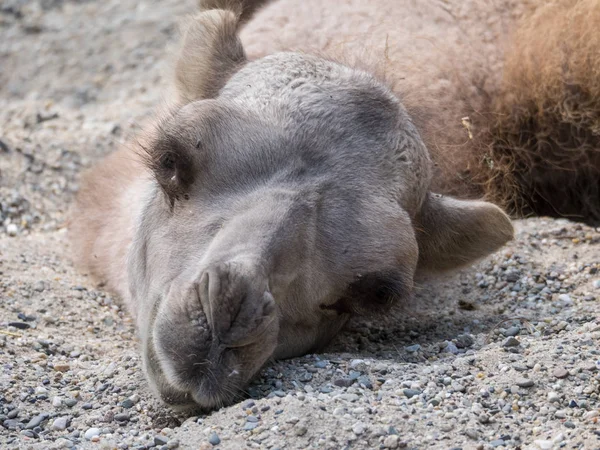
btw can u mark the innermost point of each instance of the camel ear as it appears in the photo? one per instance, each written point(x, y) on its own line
point(453, 233)
point(211, 52)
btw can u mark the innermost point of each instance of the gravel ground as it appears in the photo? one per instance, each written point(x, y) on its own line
point(501, 355)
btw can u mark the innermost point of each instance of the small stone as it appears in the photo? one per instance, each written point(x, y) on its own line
point(544, 445)
point(160, 440)
point(70, 402)
point(597, 284)
point(497, 443)
point(127, 403)
point(214, 439)
point(344, 382)
point(36, 421)
point(358, 428)
point(456, 386)
point(512, 331)
point(464, 341)
point(300, 431)
point(40, 390)
point(451, 348)
point(173, 443)
point(553, 397)
point(13, 414)
point(250, 426)
point(12, 229)
point(472, 433)
point(122, 417)
point(11, 424)
point(349, 397)
point(560, 414)
point(411, 392)
point(569, 424)
point(63, 443)
point(339, 411)
point(91, 433)
point(565, 299)
point(365, 381)
point(413, 348)
point(19, 325)
point(484, 418)
point(525, 382)
point(56, 402)
point(321, 364)
point(391, 441)
point(62, 367)
point(60, 423)
point(358, 364)
point(511, 341)
point(560, 372)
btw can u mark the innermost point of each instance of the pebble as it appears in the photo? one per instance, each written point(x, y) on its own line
point(544, 445)
point(300, 431)
point(70, 402)
point(344, 382)
point(122, 417)
point(62, 367)
point(511, 341)
point(464, 341)
point(91, 433)
point(472, 433)
point(250, 426)
point(451, 348)
point(56, 402)
point(525, 382)
point(63, 443)
point(391, 441)
point(411, 392)
point(37, 421)
point(560, 372)
point(358, 364)
point(19, 325)
point(12, 229)
point(160, 440)
point(127, 403)
point(358, 428)
point(413, 348)
point(214, 439)
point(512, 331)
point(60, 423)
point(553, 397)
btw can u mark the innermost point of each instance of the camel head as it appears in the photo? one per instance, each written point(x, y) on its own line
point(286, 194)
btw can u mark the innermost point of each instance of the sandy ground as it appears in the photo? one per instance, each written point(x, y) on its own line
point(501, 355)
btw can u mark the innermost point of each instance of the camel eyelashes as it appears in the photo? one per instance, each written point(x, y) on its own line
point(172, 167)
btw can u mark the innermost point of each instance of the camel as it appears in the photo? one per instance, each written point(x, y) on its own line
point(316, 158)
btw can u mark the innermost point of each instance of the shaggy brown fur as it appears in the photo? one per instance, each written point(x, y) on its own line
point(540, 152)
point(524, 76)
